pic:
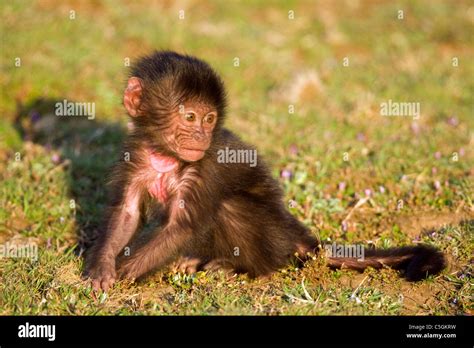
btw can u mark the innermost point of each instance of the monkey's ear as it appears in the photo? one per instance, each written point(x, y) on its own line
point(132, 96)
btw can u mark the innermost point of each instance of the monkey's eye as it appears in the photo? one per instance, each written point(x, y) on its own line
point(190, 116)
point(209, 118)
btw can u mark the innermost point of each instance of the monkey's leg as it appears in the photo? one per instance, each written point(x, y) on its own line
point(121, 226)
point(219, 264)
point(157, 253)
point(192, 265)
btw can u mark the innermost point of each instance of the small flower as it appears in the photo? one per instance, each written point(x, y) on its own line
point(437, 185)
point(453, 121)
point(35, 116)
point(368, 192)
point(286, 174)
point(361, 137)
point(382, 189)
point(344, 226)
point(341, 186)
point(434, 170)
point(437, 155)
point(415, 128)
point(461, 151)
point(293, 149)
point(56, 158)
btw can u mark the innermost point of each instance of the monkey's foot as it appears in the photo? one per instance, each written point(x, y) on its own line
point(187, 265)
point(102, 275)
point(218, 264)
point(131, 269)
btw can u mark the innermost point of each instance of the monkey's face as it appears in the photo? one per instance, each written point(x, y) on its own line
point(189, 133)
point(185, 130)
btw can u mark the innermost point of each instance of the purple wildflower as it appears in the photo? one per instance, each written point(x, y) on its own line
point(415, 128)
point(453, 121)
point(286, 174)
point(35, 116)
point(293, 149)
point(55, 158)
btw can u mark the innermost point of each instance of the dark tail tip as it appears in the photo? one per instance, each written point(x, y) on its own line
point(425, 261)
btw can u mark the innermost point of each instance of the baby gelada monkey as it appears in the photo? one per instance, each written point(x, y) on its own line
point(207, 213)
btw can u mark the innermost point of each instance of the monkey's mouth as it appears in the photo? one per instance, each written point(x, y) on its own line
point(191, 155)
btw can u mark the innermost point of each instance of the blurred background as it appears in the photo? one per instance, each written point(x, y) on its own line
point(305, 81)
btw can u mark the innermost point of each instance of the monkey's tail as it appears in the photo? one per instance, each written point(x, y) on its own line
point(417, 262)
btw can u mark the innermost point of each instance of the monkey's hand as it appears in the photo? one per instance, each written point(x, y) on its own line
point(102, 275)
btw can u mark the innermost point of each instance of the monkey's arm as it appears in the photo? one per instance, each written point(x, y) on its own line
point(122, 224)
point(156, 253)
point(167, 243)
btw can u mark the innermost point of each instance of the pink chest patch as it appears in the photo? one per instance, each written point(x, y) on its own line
point(162, 165)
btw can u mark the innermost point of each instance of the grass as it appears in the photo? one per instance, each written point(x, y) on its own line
point(335, 147)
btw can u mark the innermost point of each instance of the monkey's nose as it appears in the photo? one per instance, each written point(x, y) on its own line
point(199, 136)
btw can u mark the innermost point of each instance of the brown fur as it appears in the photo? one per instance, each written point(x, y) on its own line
point(215, 214)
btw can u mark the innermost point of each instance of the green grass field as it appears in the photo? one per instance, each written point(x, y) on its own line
point(314, 115)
